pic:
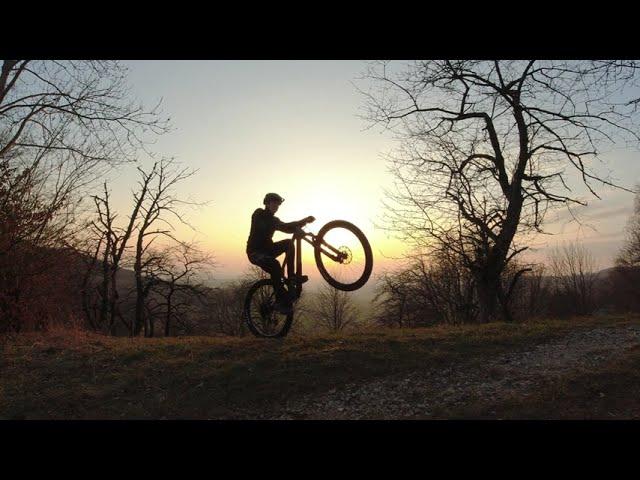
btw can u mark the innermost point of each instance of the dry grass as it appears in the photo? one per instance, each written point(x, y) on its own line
point(77, 375)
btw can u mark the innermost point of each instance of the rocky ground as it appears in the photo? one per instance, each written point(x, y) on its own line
point(430, 392)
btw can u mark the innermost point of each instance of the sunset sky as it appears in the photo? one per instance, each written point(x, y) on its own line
point(291, 127)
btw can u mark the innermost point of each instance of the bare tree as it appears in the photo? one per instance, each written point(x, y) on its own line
point(155, 206)
point(624, 288)
point(115, 244)
point(333, 309)
point(158, 208)
point(80, 108)
point(62, 125)
point(442, 285)
point(574, 277)
point(392, 299)
point(629, 254)
point(528, 298)
point(90, 251)
point(174, 279)
point(487, 147)
point(224, 308)
point(429, 289)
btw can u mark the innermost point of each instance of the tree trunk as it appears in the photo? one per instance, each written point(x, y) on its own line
point(487, 288)
point(113, 303)
point(168, 320)
point(504, 304)
point(104, 297)
point(139, 320)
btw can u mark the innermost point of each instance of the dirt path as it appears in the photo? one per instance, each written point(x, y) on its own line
point(421, 394)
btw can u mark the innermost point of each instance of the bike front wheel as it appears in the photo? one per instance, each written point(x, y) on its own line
point(261, 317)
point(343, 255)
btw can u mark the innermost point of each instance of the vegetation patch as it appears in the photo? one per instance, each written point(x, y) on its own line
point(47, 376)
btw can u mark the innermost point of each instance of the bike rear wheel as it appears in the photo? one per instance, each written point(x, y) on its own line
point(343, 255)
point(260, 315)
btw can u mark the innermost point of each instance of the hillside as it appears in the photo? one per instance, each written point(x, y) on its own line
point(583, 368)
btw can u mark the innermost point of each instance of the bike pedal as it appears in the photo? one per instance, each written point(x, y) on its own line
point(303, 278)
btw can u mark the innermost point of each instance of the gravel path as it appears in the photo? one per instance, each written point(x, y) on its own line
point(415, 395)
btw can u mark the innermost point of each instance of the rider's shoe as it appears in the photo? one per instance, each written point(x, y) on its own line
point(283, 307)
point(291, 282)
point(301, 278)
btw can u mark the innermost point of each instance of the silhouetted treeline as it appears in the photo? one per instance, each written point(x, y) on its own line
point(424, 293)
point(429, 291)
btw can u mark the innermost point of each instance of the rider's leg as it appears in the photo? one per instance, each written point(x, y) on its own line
point(270, 265)
point(286, 247)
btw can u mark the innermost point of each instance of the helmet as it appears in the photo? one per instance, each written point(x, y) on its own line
point(272, 197)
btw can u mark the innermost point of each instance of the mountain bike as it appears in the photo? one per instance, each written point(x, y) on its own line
point(343, 256)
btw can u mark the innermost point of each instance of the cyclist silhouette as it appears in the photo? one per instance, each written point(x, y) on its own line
point(262, 251)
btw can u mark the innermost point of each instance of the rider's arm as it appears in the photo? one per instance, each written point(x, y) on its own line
point(291, 227)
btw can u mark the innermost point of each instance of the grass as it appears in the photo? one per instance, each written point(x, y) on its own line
point(58, 375)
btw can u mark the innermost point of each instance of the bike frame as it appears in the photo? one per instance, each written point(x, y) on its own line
point(333, 253)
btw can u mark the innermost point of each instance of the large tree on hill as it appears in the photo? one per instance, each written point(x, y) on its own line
point(488, 147)
point(62, 125)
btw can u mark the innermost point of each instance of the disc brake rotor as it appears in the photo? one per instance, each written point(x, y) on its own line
point(347, 255)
